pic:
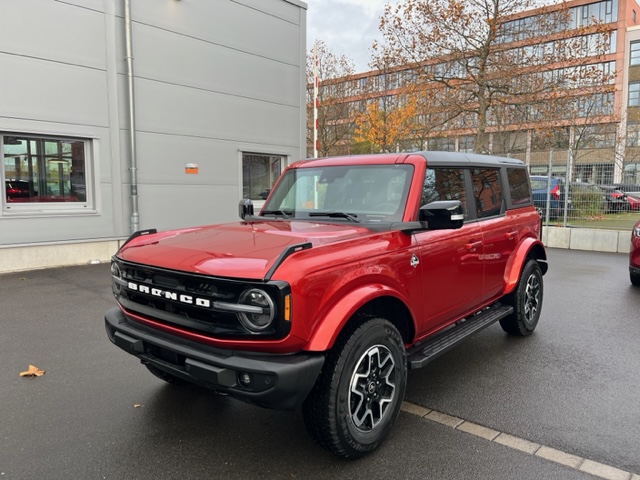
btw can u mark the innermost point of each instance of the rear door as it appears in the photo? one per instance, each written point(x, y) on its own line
point(500, 233)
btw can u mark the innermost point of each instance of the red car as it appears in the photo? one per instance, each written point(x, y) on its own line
point(355, 270)
point(634, 255)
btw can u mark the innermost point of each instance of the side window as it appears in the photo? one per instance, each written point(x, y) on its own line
point(519, 187)
point(444, 184)
point(259, 173)
point(487, 191)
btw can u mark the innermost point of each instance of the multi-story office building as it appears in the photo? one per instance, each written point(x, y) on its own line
point(597, 140)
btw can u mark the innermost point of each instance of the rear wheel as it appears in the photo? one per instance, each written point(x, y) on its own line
point(358, 395)
point(635, 278)
point(526, 300)
point(167, 377)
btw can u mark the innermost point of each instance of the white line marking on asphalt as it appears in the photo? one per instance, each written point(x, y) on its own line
point(551, 454)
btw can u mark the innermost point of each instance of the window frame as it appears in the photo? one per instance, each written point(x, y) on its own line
point(634, 95)
point(87, 206)
point(634, 53)
point(273, 176)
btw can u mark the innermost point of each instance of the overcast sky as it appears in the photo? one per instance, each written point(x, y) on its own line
point(346, 26)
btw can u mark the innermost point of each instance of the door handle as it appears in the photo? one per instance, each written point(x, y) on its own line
point(510, 235)
point(473, 245)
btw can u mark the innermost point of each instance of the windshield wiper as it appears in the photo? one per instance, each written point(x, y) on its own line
point(285, 213)
point(349, 216)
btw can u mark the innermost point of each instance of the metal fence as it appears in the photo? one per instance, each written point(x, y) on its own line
point(586, 188)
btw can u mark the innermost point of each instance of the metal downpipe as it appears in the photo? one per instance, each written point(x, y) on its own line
point(135, 216)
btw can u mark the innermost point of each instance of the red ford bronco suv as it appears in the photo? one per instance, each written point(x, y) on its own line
point(355, 270)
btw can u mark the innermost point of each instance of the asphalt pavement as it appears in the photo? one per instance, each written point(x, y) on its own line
point(98, 414)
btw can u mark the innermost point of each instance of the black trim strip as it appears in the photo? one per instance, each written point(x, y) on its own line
point(139, 233)
point(283, 255)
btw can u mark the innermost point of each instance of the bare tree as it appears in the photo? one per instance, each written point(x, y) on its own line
point(491, 64)
point(335, 94)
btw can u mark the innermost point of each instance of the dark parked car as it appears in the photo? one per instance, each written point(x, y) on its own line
point(631, 195)
point(557, 190)
point(616, 199)
point(18, 189)
point(634, 255)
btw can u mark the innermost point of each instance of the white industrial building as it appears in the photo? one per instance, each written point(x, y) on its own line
point(119, 115)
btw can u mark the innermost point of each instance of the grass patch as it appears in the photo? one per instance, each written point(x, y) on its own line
point(609, 221)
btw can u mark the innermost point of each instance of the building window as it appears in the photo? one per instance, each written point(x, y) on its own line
point(632, 138)
point(50, 172)
point(634, 52)
point(634, 94)
point(259, 173)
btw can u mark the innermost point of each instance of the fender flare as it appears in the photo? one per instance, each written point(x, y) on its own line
point(332, 323)
point(518, 259)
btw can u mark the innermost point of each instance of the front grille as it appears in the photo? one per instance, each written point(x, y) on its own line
point(189, 300)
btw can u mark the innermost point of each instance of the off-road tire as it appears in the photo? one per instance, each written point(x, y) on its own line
point(358, 394)
point(526, 300)
point(167, 377)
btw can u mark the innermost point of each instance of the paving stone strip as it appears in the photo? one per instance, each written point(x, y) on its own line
point(551, 454)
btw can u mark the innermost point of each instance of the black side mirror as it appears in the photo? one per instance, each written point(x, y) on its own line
point(245, 208)
point(442, 215)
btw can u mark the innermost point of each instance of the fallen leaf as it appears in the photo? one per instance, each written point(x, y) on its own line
point(136, 405)
point(33, 371)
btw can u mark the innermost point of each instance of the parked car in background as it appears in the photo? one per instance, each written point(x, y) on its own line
point(556, 187)
point(629, 189)
point(18, 189)
point(616, 199)
point(634, 255)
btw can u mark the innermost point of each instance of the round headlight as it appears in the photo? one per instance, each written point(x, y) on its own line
point(259, 317)
point(116, 275)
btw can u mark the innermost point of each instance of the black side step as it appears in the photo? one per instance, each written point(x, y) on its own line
point(423, 353)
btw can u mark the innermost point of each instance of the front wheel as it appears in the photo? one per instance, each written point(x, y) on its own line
point(526, 300)
point(634, 278)
point(358, 395)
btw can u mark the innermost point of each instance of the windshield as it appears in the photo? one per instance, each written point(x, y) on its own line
point(351, 193)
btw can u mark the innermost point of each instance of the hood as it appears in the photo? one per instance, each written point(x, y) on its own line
point(236, 250)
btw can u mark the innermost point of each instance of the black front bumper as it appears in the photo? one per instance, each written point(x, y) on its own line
point(281, 382)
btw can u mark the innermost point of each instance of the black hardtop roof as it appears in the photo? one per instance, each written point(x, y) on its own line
point(436, 158)
point(433, 158)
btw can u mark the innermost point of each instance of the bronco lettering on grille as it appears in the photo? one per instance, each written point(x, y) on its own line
point(168, 295)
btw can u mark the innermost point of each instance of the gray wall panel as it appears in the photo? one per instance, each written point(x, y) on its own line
point(171, 206)
point(163, 108)
point(226, 23)
point(58, 32)
point(183, 60)
point(51, 91)
point(284, 10)
point(162, 159)
point(54, 228)
point(98, 5)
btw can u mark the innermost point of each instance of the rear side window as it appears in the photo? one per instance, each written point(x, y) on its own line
point(518, 187)
point(487, 191)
